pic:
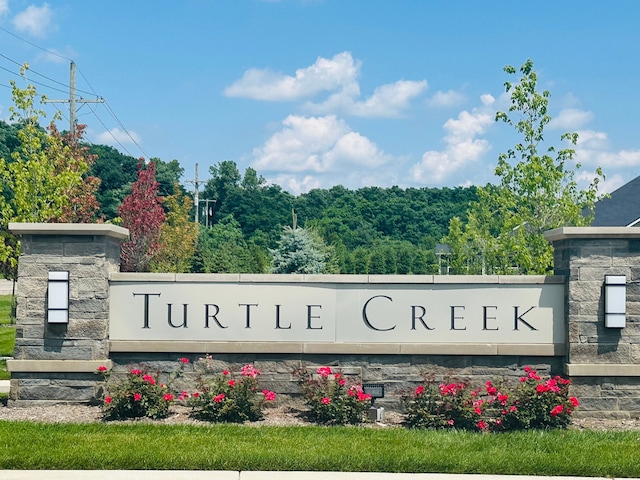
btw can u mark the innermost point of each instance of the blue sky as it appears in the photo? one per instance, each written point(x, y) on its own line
point(316, 93)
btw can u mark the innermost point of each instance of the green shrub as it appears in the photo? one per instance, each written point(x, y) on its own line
point(331, 398)
point(227, 397)
point(140, 394)
point(534, 403)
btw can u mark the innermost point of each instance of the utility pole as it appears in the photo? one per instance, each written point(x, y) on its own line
point(196, 199)
point(72, 100)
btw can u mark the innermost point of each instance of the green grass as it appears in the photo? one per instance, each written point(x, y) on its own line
point(233, 447)
point(7, 335)
point(5, 309)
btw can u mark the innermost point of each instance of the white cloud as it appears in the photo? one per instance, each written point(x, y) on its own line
point(34, 20)
point(4, 7)
point(388, 100)
point(312, 151)
point(461, 145)
point(323, 75)
point(337, 77)
point(116, 137)
point(447, 99)
point(316, 144)
point(570, 119)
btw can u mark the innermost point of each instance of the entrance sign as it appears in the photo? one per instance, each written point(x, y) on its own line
point(272, 310)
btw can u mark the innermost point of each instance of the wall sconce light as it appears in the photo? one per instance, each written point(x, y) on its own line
point(615, 301)
point(58, 297)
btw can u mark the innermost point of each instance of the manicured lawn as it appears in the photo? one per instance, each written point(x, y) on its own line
point(233, 447)
point(7, 335)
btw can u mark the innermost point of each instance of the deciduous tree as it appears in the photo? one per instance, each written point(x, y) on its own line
point(537, 191)
point(178, 235)
point(143, 215)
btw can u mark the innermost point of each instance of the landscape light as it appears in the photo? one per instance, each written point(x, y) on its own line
point(615, 301)
point(58, 297)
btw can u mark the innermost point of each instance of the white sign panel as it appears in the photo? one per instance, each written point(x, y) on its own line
point(341, 313)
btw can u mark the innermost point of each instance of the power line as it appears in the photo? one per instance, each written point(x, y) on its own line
point(72, 99)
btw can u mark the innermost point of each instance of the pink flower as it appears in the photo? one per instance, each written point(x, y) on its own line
point(231, 383)
point(137, 397)
point(168, 397)
point(419, 390)
point(149, 379)
point(225, 372)
point(512, 408)
point(183, 360)
point(249, 371)
point(136, 372)
point(325, 400)
point(574, 401)
point(482, 425)
point(102, 368)
point(450, 422)
point(268, 395)
point(557, 410)
point(218, 398)
point(324, 371)
point(342, 382)
point(108, 400)
point(502, 398)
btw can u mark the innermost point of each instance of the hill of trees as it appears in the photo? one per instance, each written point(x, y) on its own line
point(369, 230)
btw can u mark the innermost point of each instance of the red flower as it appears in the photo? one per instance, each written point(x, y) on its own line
point(137, 397)
point(196, 395)
point(362, 397)
point(168, 397)
point(268, 395)
point(325, 400)
point(574, 401)
point(102, 368)
point(324, 371)
point(557, 410)
point(108, 400)
point(419, 390)
point(231, 383)
point(218, 398)
point(482, 425)
point(542, 389)
point(149, 379)
point(136, 372)
point(225, 372)
point(183, 360)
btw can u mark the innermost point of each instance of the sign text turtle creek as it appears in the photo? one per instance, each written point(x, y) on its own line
point(336, 313)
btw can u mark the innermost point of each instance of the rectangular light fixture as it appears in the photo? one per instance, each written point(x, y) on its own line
point(615, 301)
point(58, 297)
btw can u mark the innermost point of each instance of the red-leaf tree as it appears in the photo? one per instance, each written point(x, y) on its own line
point(142, 213)
point(69, 153)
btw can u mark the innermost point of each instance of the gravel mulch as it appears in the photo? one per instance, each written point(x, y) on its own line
point(277, 415)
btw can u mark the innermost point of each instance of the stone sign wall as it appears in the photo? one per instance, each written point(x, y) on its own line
point(117, 319)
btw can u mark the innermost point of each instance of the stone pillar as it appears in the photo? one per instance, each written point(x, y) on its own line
point(52, 361)
point(603, 363)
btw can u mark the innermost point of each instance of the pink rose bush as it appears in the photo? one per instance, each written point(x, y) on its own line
point(533, 403)
point(227, 397)
point(138, 394)
point(332, 399)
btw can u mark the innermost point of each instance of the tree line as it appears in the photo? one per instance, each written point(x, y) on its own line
point(247, 225)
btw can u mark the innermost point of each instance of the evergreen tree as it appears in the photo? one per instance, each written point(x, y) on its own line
point(300, 251)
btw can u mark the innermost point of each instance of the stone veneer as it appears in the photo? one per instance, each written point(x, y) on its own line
point(603, 363)
point(57, 362)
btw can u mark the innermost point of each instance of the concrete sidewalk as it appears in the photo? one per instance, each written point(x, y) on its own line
point(232, 475)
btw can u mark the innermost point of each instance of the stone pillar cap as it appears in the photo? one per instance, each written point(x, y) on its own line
point(568, 233)
point(102, 229)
